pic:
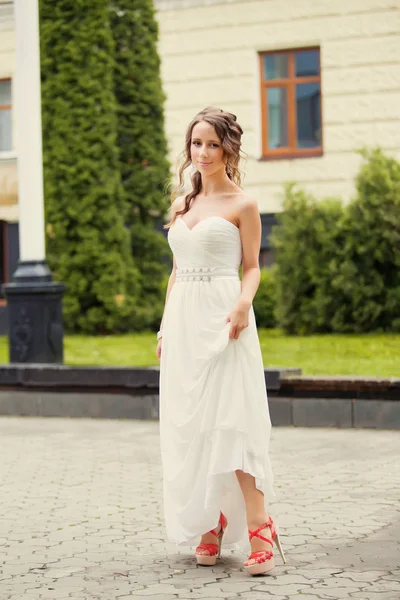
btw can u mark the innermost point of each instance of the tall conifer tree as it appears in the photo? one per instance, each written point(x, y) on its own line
point(142, 144)
point(88, 243)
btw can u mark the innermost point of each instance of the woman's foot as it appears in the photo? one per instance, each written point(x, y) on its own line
point(257, 544)
point(261, 559)
point(210, 544)
point(206, 539)
point(262, 531)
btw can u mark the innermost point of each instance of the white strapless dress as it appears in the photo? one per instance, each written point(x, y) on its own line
point(214, 416)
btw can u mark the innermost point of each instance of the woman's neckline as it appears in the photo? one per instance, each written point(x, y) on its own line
point(207, 219)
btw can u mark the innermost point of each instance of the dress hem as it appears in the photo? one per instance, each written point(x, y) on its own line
point(262, 484)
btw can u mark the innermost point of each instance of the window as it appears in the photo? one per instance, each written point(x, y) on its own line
point(5, 115)
point(266, 257)
point(291, 103)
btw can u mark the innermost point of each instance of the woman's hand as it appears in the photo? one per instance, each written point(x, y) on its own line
point(239, 319)
point(158, 351)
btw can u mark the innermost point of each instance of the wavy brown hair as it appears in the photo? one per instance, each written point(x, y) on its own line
point(229, 133)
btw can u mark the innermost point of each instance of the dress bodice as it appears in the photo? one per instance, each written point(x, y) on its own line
point(213, 242)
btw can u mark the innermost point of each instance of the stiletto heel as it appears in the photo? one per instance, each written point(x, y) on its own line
point(264, 559)
point(214, 550)
point(279, 546)
point(220, 536)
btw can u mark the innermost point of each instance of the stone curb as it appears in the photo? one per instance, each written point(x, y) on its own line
point(95, 379)
point(132, 393)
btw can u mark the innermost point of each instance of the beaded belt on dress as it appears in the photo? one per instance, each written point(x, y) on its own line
point(205, 273)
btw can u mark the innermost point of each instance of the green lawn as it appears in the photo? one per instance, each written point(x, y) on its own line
point(372, 354)
point(376, 355)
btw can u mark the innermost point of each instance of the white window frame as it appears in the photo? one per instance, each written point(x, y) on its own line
point(8, 154)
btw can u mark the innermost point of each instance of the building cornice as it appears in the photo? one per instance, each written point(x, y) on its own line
point(164, 5)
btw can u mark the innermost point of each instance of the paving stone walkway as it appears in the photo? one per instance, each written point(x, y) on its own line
point(80, 516)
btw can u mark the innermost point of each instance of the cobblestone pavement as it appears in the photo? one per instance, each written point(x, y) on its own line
point(80, 516)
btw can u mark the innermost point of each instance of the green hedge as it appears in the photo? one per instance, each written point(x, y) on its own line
point(264, 303)
point(338, 267)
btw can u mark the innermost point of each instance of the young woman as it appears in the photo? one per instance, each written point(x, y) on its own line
point(214, 417)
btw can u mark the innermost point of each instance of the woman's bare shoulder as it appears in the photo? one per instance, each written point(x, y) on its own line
point(177, 204)
point(246, 204)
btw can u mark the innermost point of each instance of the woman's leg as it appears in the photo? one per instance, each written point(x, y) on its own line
point(255, 510)
point(209, 538)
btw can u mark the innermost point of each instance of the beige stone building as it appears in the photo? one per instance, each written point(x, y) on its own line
point(310, 82)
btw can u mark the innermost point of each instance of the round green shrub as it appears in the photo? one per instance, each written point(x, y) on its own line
point(338, 267)
point(366, 282)
point(306, 242)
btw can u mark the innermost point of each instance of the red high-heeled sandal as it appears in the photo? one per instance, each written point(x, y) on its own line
point(214, 550)
point(264, 559)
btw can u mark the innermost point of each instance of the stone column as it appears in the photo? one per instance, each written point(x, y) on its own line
point(34, 300)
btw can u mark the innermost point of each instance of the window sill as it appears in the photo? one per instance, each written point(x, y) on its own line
point(291, 155)
point(9, 155)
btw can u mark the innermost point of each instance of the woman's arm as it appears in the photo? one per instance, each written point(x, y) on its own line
point(171, 282)
point(250, 234)
point(176, 205)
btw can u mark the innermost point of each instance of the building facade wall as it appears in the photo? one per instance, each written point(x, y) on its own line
point(209, 52)
point(8, 162)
